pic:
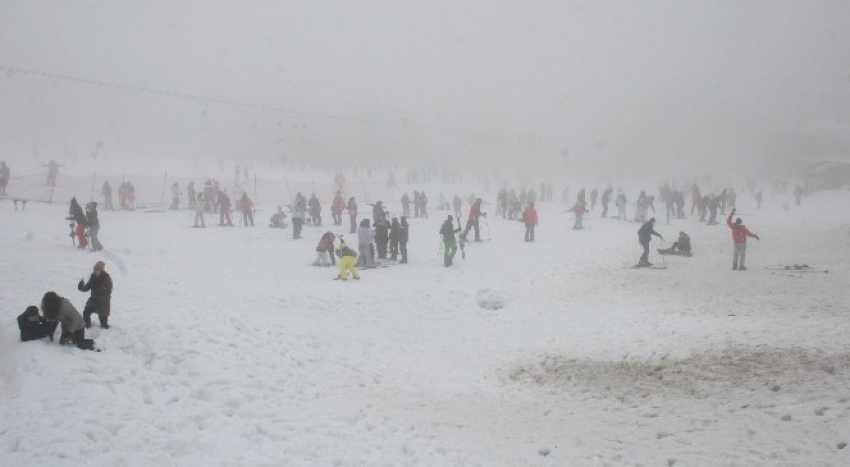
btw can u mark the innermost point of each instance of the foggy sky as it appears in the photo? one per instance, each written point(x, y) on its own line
point(622, 83)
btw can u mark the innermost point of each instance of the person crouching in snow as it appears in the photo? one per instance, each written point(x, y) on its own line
point(100, 285)
point(57, 310)
point(739, 238)
point(32, 325)
point(323, 250)
point(347, 260)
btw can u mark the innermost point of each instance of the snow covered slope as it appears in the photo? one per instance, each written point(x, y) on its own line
point(229, 349)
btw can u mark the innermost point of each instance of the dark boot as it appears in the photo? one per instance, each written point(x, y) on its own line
point(734, 267)
point(87, 318)
point(104, 321)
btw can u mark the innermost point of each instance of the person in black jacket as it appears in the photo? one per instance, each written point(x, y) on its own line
point(32, 325)
point(403, 236)
point(382, 237)
point(94, 226)
point(100, 285)
point(645, 233)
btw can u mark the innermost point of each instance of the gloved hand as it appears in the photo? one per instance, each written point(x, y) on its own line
point(81, 284)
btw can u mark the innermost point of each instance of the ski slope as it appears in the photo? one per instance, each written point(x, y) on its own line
point(228, 349)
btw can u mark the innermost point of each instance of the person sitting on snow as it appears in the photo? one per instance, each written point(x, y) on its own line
point(32, 325)
point(682, 246)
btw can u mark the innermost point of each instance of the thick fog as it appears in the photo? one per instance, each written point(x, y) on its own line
point(613, 87)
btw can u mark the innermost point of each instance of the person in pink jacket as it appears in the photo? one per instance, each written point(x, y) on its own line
point(739, 237)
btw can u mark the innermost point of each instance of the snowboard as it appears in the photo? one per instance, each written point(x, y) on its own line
point(799, 268)
point(640, 266)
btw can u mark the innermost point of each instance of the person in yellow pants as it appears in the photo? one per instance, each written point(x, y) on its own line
point(347, 260)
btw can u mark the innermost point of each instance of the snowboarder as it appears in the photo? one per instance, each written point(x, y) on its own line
point(645, 233)
point(739, 239)
point(58, 310)
point(530, 219)
point(448, 232)
point(93, 226)
point(100, 285)
point(682, 246)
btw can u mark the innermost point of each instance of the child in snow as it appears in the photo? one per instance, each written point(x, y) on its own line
point(347, 258)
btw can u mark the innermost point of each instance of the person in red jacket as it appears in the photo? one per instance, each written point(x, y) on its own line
point(739, 237)
point(472, 221)
point(530, 219)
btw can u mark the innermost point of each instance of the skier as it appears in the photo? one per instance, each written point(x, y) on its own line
point(472, 221)
point(58, 310)
point(352, 213)
point(323, 250)
point(530, 219)
point(682, 246)
point(365, 237)
point(224, 209)
point(382, 237)
point(579, 209)
point(93, 226)
point(621, 206)
point(448, 232)
point(106, 192)
point(405, 205)
point(191, 198)
point(606, 198)
point(739, 238)
point(199, 211)
point(347, 258)
point(297, 213)
point(337, 206)
point(798, 193)
point(759, 199)
point(247, 208)
point(4, 177)
point(32, 325)
point(76, 213)
point(645, 234)
point(456, 203)
point(403, 236)
point(100, 285)
point(315, 210)
point(175, 196)
point(394, 228)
